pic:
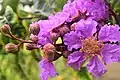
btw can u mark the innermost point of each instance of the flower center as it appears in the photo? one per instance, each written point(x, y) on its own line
point(91, 46)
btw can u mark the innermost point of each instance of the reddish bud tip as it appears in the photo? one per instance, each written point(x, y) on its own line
point(54, 36)
point(6, 29)
point(63, 30)
point(72, 27)
point(49, 51)
point(34, 38)
point(11, 48)
point(34, 28)
point(30, 46)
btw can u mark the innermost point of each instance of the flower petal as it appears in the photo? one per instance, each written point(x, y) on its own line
point(109, 33)
point(111, 53)
point(47, 69)
point(61, 17)
point(86, 27)
point(76, 59)
point(70, 8)
point(96, 67)
point(44, 39)
point(72, 40)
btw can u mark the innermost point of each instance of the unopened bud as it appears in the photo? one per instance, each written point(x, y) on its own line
point(72, 27)
point(30, 46)
point(34, 28)
point(54, 36)
point(11, 48)
point(6, 29)
point(34, 38)
point(63, 30)
point(49, 51)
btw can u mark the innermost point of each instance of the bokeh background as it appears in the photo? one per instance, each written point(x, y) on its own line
point(23, 65)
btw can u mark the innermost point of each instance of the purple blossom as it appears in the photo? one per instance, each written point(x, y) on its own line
point(47, 69)
point(76, 59)
point(71, 9)
point(92, 46)
point(46, 26)
point(61, 17)
point(44, 39)
point(109, 33)
point(95, 9)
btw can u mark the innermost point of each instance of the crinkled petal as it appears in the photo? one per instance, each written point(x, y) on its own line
point(86, 27)
point(96, 67)
point(53, 22)
point(70, 8)
point(47, 25)
point(44, 39)
point(109, 33)
point(61, 17)
point(72, 40)
point(47, 69)
point(110, 53)
point(96, 9)
point(76, 59)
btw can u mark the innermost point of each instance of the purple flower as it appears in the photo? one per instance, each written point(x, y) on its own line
point(60, 17)
point(47, 69)
point(90, 45)
point(109, 33)
point(71, 9)
point(95, 9)
point(44, 39)
point(46, 26)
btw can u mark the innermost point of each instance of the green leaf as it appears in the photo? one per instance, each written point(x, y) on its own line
point(18, 66)
point(59, 4)
point(116, 5)
point(10, 15)
point(12, 3)
point(28, 66)
point(84, 75)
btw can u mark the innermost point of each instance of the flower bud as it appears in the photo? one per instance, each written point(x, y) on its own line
point(72, 27)
point(6, 29)
point(49, 51)
point(34, 28)
point(54, 36)
point(34, 38)
point(11, 48)
point(63, 30)
point(30, 46)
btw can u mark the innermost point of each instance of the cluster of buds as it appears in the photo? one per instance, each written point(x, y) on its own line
point(11, 47)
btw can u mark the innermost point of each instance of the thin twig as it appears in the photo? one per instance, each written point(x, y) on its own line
point(21, 40)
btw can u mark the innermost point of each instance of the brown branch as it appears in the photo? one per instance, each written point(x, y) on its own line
point(21, 40)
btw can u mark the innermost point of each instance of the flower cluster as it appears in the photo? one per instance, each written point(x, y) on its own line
point(86, 39)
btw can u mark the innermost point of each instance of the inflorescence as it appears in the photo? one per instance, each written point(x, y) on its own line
point(85, 38)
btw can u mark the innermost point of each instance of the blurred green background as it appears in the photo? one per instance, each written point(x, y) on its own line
point(23, 65)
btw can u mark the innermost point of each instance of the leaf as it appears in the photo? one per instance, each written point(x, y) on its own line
point(116, 5)
point(12, 3)
point(28, 66)
point(84, 75)
point(59, 4)
point(10, 15)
